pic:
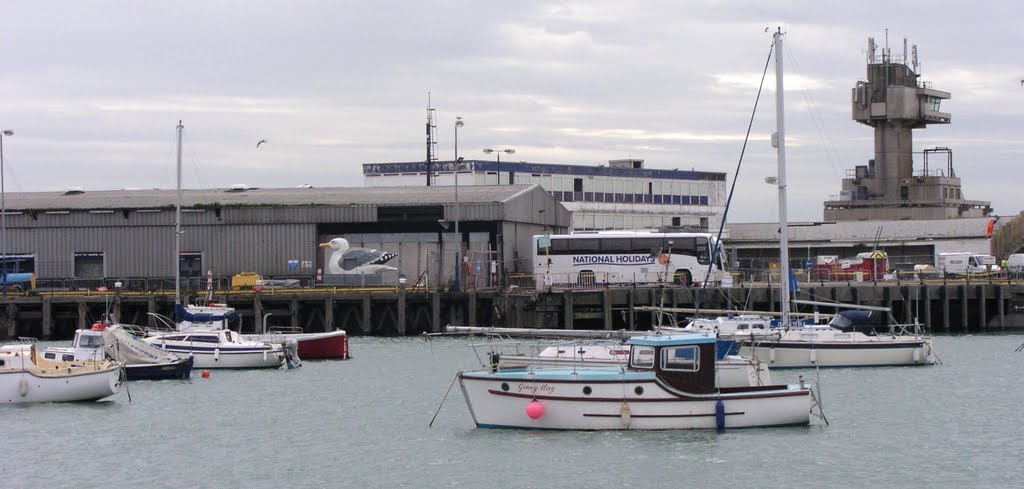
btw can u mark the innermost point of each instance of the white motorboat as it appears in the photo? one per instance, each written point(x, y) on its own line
point(667, 383)
point(142, 361)
point(26, 377)
point(215, 317)
point(220, 349)
point(730, 326)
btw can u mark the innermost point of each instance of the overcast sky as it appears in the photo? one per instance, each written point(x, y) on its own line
point(94, 89)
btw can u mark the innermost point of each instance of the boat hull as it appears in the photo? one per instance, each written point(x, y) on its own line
point(331, 345)
point(23, 386)
point(211, 357)
point(179, 370)
point(629, 402)
point(785, 354)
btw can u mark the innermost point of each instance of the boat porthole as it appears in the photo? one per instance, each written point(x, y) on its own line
point(504, 386)
point(587, 390)
point(639, 390)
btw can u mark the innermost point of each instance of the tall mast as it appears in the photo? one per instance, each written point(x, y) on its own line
point(780, 141)
point(177, 229)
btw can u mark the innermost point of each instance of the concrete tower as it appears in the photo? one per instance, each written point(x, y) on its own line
point(894, 102)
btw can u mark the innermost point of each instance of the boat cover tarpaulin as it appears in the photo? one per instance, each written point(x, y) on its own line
point(725, 347)
point(123, 346)
point(857, 320)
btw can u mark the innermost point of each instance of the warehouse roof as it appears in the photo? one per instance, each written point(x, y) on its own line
point(246, 196)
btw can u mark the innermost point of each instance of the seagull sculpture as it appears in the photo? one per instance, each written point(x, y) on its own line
point(342, 259)
point(261, 142)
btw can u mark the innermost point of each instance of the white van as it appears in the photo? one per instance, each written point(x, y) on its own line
point(1015, 263)
point(965, 263)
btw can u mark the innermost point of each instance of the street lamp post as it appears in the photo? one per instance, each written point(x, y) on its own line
point(458, 252)
point(498, 152)
point(3, 211)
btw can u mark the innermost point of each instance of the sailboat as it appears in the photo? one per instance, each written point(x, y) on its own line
point(668, 382)
point(210, 348)
point(848, 340)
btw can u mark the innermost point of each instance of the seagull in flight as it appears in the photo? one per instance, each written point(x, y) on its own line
point(261, 142)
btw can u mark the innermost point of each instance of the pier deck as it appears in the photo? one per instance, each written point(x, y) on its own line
point(941, 307)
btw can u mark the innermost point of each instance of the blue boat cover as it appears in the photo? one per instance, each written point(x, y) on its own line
point(856, 320)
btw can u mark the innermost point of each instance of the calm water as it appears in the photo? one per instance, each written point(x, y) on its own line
point(363, 423)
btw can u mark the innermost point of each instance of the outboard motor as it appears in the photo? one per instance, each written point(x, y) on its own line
point(291, 354)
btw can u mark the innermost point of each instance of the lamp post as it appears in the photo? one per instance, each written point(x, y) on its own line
point(498, 152)
point(3, 211)
point(458, 252)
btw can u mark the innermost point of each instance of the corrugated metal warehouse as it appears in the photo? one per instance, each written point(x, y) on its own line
point(273, 232)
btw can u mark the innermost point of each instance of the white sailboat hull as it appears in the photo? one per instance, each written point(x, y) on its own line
point(206, 357)
point(499, 400)
point(884, 352)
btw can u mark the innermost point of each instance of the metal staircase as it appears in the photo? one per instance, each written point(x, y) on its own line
point(1008, 238)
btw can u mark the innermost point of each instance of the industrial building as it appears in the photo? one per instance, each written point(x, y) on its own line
point(274, 232)
point(894, 101)
point(620, 195)
point(887, 204)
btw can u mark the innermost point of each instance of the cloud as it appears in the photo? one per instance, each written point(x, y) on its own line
point(95, 90)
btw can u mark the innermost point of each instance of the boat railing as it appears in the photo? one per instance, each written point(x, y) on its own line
point(284, 330)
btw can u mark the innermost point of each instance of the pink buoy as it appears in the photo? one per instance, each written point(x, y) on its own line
point(535, 410)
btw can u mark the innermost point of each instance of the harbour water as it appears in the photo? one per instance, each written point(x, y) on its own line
point(364, 423)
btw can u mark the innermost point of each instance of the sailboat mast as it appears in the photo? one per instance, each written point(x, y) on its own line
point(780, 141)
point(177, 229)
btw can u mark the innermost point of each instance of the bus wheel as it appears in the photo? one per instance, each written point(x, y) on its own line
point(683, 278)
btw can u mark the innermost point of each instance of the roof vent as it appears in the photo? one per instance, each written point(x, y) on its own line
point(238, 187)
point(74, 191)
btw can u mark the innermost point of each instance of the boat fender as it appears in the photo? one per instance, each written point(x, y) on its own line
point(23, 387)
point(624, 413)
point(216, 354)
point(814, 356)
point(534, 409)
point(720, 415)
point(917, 355)
point(771, 355)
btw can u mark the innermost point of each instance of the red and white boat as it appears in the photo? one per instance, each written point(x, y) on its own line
point(214, 316)
point(326, 345)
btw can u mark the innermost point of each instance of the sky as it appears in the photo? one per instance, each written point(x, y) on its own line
point(94, 89)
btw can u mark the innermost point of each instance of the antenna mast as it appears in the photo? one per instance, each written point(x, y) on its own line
point(431, 142)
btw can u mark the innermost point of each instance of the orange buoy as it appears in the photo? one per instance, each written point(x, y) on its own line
point(206, 374)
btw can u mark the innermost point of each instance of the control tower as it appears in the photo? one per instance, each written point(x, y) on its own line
point(894, 102)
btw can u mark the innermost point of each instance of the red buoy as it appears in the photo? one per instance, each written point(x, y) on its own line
point(535, 409)
point(206, 374)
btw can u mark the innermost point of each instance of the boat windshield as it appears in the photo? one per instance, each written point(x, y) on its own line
point(90, 341)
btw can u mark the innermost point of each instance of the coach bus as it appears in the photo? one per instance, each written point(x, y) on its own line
point(624, 257)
